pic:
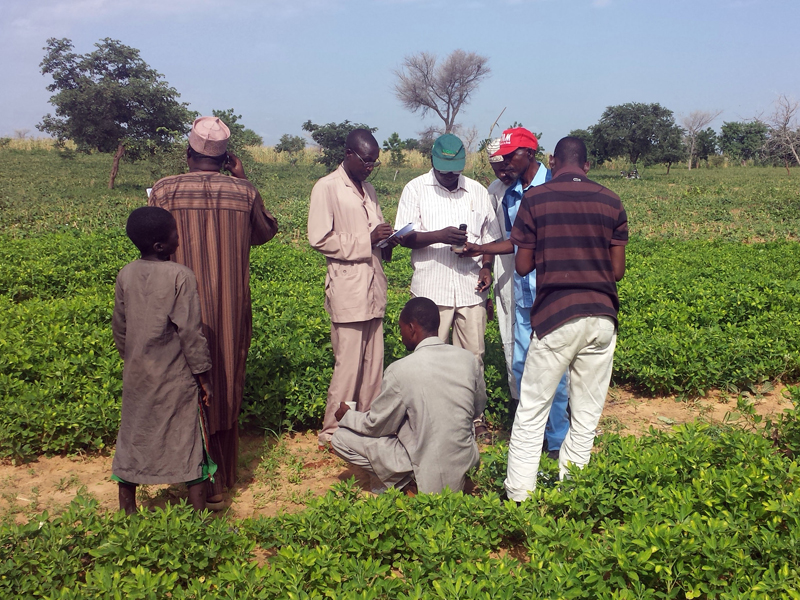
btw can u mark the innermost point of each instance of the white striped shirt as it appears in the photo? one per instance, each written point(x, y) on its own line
point(439, 273)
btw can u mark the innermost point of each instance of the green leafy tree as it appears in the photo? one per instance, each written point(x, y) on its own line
point(586, 136)
point(669, 148)
point(427, 137)
point(331, 138)
point(411, 144)
point(706, 144)
point(110, 100)
point(742, 141)
point(395, 146)
point(633, 130)
point(241, 136)
point(291, 144)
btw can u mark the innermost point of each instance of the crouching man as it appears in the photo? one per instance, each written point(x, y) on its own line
point(419, 430)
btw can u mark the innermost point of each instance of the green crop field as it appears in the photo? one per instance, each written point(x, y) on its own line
point(711, 299)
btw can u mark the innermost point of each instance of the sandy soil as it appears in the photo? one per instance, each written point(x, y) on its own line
point(284, 474)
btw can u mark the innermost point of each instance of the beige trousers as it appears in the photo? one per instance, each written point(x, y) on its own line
point(469, 327)
point(358, 372)
point(585, 346)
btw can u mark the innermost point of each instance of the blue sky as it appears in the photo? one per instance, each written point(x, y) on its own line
point(556, 64)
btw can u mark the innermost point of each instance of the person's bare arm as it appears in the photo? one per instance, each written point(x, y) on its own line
point(499, 247)
point(422, 239)
point(524, 261)
point(618, 261)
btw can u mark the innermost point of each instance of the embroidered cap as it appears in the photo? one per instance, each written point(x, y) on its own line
point(209, 136)
point(448, 153)
point(492, 147)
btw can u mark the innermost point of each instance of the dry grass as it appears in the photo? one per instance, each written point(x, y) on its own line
point(268, 155)
point(43, 143)
point(413, 158)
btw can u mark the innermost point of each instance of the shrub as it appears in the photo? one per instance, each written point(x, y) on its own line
point(701, 512)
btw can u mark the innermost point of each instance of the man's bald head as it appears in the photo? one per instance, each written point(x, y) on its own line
point(361, 141)
point(571, 151)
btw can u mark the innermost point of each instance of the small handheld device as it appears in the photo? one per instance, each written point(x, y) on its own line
point(459, 249)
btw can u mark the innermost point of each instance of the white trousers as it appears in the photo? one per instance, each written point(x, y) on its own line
point(505, 322)
point(585, 346)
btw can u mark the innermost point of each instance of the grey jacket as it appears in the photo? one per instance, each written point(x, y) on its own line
point(429, 400)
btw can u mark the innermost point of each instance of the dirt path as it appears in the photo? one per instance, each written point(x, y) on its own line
point(283, 475)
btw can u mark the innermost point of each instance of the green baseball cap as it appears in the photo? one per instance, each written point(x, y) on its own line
point(448, 153)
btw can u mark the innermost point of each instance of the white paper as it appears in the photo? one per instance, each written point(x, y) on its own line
point(148, 191)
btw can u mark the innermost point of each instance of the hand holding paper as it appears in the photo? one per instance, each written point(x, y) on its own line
point(397, 234)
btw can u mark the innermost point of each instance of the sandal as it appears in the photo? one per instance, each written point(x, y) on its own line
point(483, 435)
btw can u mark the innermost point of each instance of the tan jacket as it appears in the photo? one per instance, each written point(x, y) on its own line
point(428, 400)
point(340, 221)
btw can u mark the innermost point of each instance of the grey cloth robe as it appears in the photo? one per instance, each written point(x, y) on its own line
point(158, 333)
point(428, 400)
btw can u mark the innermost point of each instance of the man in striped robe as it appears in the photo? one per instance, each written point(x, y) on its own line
point(219, 218)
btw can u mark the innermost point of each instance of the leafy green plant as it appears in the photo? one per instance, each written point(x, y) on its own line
point(698, 512)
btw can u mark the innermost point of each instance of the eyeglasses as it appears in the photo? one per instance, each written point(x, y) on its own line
point(371, 164)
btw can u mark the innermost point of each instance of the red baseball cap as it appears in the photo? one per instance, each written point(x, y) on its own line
point(517, 137)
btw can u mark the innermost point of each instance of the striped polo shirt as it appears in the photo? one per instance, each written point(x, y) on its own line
point(571, 223)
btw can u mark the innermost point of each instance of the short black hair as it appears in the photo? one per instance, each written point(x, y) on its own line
point(360, 139)
point(422, 310)
point(571, 150)
point(147, 225)
point(219, 158)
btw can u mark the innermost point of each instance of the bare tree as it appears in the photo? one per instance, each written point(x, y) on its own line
point(468, 135)
point(784, 132)
point(425, 84)
point(21, 133)
point(694, 123)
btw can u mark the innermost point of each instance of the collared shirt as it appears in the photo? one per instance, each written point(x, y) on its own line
point(439, 273)
point(340, 221)
point(524, 287)
point(571, 223)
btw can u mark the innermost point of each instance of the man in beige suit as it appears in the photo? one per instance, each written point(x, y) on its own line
point(345, 224)
point(420, 428)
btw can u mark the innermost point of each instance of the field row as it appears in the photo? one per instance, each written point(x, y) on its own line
point(696, 513)
point(69, 193)
point(693, 316)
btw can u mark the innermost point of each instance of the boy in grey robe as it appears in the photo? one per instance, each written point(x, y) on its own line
point(158, 333)
point(420, 427)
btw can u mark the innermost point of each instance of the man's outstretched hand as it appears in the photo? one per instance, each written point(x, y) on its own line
point(471, 250)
